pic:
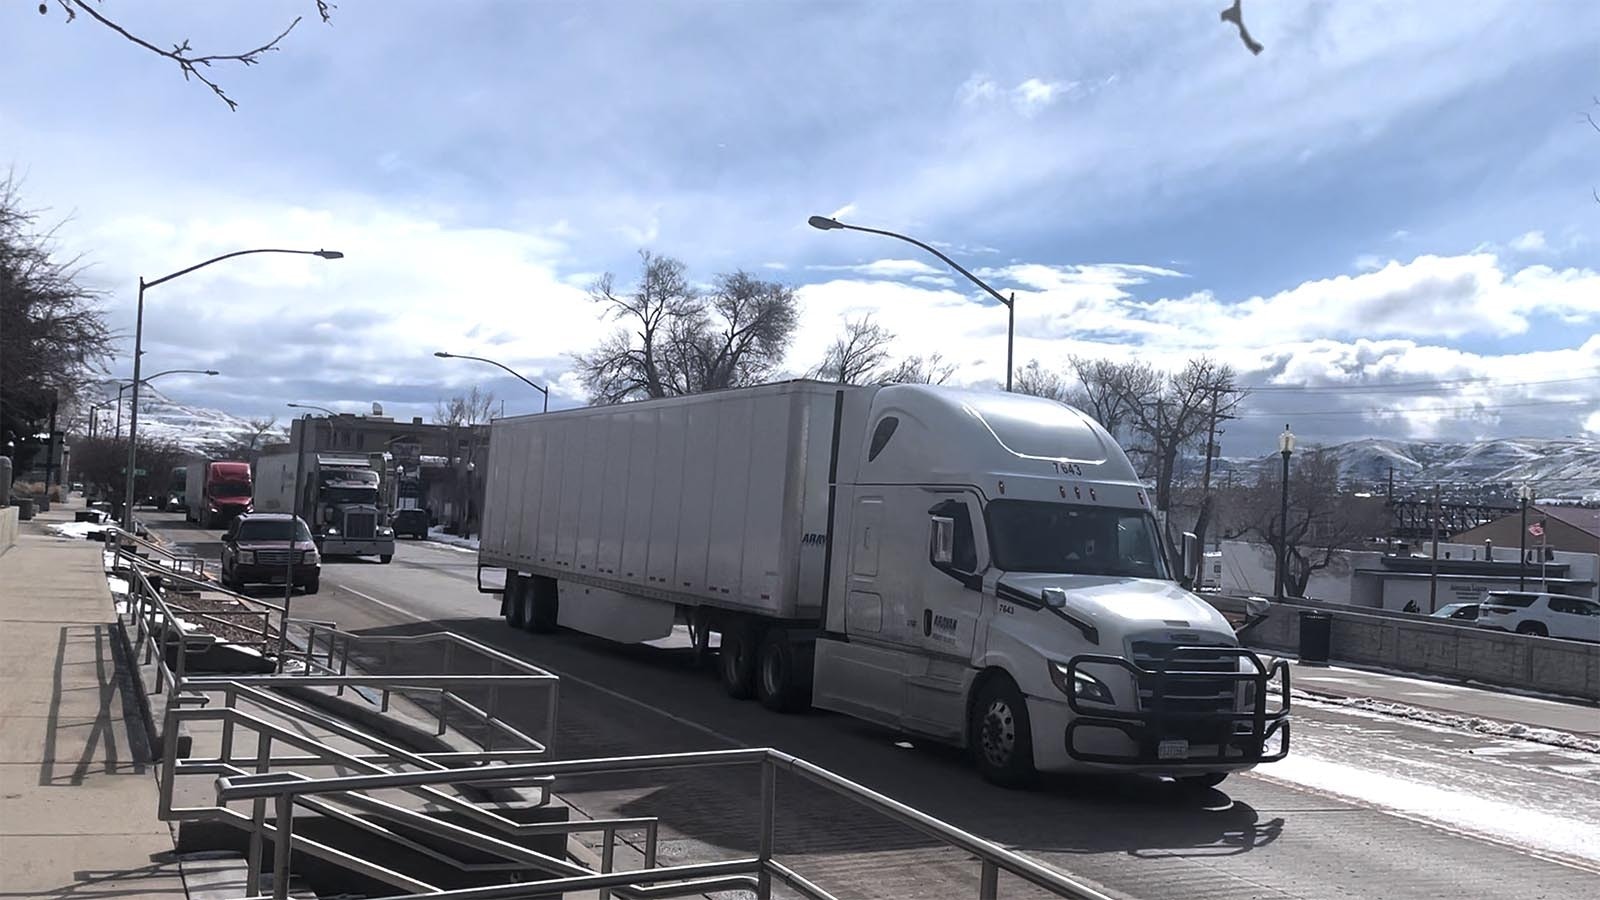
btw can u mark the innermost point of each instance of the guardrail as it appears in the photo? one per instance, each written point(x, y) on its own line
point(178, 562)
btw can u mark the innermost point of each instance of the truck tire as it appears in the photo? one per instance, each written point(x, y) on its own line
point(313, 584)
point(543, 601)
point(385, 558)
point(1201, 782)
point(515, 603)
point(736, 661)
point(1000, 736)
point(783, 673)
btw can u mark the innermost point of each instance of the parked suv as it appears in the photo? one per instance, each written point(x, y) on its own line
point(413, 522)
point(257, 549)
point(1531, 612)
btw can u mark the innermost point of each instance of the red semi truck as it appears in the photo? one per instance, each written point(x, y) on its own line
point(217, 491)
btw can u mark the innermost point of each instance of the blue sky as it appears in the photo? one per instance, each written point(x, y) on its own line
point(1391, 192)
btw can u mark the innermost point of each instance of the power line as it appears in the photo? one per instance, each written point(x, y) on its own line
point(1376, 411)
point(1407, 385)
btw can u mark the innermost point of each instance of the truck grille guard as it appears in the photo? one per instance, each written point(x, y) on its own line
point(1159, 719)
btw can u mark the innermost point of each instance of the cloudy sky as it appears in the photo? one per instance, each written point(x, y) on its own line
point(1391, 194)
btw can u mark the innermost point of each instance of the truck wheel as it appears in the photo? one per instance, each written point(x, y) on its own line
point(543, 600)
point(313, 584)
point(1000, 736)
point(736, 661)
point(1200, 782)
point(385, 558)
point(783, 674)
point(516, 605)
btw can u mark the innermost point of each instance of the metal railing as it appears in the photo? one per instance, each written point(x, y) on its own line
point(270, 773)
point(188, 563)
point(757, 873)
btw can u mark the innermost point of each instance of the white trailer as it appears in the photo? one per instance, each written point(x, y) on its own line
point(978, 568)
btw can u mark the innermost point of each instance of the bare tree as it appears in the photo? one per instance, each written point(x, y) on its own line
point(1168, 414)
point(53, 334)
point(675, 341)
point(857, 355)
point(1035, 380)
point(1322, 519)
point(194, 65)
point(931, 369)
point(1110, 391)
point(460, 415)
point(247, 443)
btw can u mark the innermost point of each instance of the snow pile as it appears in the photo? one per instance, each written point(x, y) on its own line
point(1559, 467)
point(77, 530)
point(1491, 727)
point(436, 534)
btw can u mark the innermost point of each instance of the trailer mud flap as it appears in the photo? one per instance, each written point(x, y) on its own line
point(1173, 719)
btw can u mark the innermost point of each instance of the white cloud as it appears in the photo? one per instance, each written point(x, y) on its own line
point(1033, 95)
point(1027, 98)
point(843, 212)
point(884, 268)
point(1532, 242)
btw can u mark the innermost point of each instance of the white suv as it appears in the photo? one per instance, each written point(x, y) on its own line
point(1530, 612)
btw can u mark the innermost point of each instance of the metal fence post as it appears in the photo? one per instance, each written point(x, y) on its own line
point(607, 857)
point(281, 842)
point(258, 818)
point(989, 881)
point(769, 808)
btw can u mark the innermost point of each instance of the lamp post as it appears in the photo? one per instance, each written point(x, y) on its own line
point(138, 354)
point(124, 386)
point(1524, 494)
point(1286, 449)
point(305, 435)
point(545, 391)
point(824, 223)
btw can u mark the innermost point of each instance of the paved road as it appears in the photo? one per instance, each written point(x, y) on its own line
point(1367, 806)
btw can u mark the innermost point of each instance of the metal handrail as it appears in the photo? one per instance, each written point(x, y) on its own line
point(117, 534)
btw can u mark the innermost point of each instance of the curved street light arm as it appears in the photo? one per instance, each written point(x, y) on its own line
point(945, 259)
point(325, 254)
point(514, 373)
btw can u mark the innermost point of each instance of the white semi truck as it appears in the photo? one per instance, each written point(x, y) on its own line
point(978, 568)
point(337, 496)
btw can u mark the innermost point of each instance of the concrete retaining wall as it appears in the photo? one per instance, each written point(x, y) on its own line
point(8, 527)
point(1415, 644)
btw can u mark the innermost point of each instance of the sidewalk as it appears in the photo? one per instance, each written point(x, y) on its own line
point(78, 814)
point(1455, 699)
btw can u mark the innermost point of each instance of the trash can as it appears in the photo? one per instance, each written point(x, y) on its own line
point(24, 508)
point(1316, 636)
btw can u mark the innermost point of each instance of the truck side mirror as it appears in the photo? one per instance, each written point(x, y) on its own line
point(1055, 598)
point(1190, 560)
point(941, 540)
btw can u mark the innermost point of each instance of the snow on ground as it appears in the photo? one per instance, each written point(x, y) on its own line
point(1441, 719)
point(76, 530)
point(436, 535)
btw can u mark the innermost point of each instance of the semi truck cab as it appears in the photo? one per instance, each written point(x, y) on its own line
point(1003, 584)
point(346, 516)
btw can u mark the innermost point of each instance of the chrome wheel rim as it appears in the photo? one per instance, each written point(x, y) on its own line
point(999, 738)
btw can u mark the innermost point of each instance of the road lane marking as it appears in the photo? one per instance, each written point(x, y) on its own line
point(687, 723)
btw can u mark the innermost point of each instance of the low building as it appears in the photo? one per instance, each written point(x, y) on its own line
point(1572, 528)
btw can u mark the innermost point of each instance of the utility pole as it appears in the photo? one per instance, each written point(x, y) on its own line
point(1433, 568)
point(1389, 504)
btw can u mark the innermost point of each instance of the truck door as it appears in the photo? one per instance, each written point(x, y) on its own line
point(951, 598)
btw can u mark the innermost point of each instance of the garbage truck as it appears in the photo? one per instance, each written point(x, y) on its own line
point(336, 495)
point(977, 568)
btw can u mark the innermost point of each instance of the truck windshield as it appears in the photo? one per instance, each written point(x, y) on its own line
point(350, 495)
point(272, 530)
point(231, 488)
point(1037, 536)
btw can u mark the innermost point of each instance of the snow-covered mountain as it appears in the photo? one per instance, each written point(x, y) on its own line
point(194, 428)
point(1555, 467)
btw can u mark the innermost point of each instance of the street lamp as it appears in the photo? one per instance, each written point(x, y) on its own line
point(123, 387)
point(138, 355)
point(310, 406)
point(1524, 494)
point(305, 436)
point(824, 223)
point(545, 391)
point(1286, 449)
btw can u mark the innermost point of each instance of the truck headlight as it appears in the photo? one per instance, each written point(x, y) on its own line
point(332, 530)
point(386, 532)
point(309, 557)
point(1084, 686)
point(247, 557)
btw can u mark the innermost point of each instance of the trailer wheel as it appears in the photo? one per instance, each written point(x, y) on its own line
point(515, 602)
point(543, 602)
point(783, 675)
point(736, 661)
point(1001, 737)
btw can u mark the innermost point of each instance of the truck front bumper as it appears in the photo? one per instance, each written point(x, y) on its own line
point(342, 546)
point(302, 573)
point(1168, 735)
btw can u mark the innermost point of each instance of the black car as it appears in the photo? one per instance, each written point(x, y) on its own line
point(413, 522)
point(257, 549)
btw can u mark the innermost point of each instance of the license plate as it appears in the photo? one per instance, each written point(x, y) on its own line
point(277, 579)
point(1175, 748)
